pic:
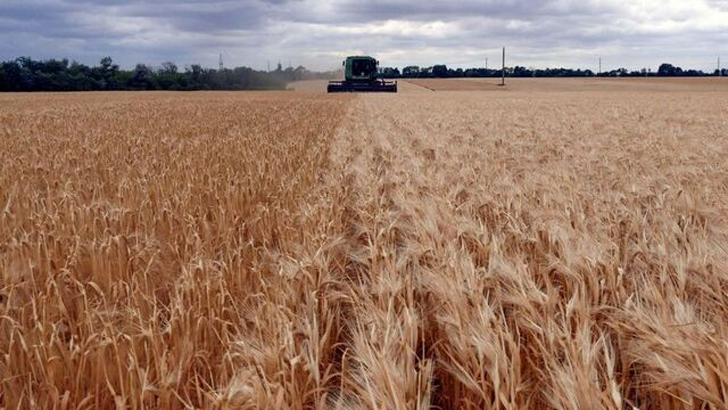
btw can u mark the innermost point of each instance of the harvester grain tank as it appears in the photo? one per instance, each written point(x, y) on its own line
point(360, 75)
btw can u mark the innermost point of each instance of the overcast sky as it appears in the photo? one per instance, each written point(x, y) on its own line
point(319, 33)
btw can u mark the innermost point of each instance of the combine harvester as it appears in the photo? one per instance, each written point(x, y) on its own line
point(360, 75)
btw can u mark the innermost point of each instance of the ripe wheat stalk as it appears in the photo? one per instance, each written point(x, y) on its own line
point(295, 251)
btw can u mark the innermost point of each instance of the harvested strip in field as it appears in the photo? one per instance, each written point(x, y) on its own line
point(437, 84)
point(657, 85)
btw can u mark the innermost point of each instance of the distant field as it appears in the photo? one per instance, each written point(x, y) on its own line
point(575, 84)
point(558, 244)
point(546, 84)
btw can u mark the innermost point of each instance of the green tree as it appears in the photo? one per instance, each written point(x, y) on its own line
point(669, 70)
point(141, 78)
point(107, 74)
point(439, 70)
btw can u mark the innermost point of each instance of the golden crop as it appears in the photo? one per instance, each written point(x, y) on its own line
point(510, 250)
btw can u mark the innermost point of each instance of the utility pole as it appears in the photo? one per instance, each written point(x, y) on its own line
point(600, 66)
point(221, 64)
point(720, 73)
point(486, 63)
point(268, 65)
point(503, 72)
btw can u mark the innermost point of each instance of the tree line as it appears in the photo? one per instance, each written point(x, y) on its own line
point(442, 71)
point(27, 74)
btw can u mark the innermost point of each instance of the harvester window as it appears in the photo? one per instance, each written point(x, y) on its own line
point(362, 68)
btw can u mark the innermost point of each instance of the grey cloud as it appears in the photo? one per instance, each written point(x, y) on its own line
point(206, 16)
point(380, 10)
point(317, 33)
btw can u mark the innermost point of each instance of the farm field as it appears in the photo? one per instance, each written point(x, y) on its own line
point(530, 85)
point(557, 245)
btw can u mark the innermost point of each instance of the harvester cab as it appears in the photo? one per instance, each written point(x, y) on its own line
point(360, 75)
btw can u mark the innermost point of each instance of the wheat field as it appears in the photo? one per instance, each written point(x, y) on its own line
point(536, 248)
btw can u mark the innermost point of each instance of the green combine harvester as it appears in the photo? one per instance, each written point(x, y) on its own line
point(360, 75)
